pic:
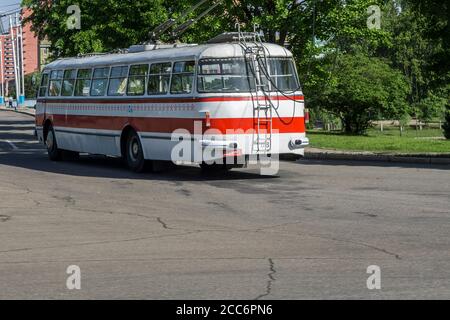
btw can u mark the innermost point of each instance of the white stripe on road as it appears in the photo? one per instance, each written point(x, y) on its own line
point(12, 145)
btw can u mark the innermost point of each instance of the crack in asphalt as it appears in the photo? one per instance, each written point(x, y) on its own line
point(4, 218)
point(359, 243)
point(164, 225)
point(271, 279)
point(131, 214)
point(96, 242)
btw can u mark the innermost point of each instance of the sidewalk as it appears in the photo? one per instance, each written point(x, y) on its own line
point(27, 111)
point(325, 154)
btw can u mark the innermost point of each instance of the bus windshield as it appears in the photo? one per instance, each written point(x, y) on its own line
point(235, 75)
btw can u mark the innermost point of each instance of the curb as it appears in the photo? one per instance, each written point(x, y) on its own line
point(18, 111)
point(378, 158)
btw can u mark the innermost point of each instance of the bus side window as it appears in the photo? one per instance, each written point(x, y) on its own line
point(83, 83)
point(182, 77)
point(118, 81)
point(55, 83)
point(68, 82)
point(99, 82)
point(44, 85)
point(159, 78)
point(136, 80)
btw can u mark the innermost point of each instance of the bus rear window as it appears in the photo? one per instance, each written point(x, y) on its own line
point(283, 75)
point(223, 75)
point(237, 75)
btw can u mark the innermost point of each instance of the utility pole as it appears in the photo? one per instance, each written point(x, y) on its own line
point(20, 60)
point(16, 64)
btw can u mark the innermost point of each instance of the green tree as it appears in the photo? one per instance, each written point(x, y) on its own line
point(362, 88)
point(32, 82)
point(110, 24)
point(105, 24)
point(318, 32)
point(412, 52)
point(437, 30)
point(433, 106)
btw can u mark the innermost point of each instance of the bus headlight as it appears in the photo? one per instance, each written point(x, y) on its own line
point(298, 143)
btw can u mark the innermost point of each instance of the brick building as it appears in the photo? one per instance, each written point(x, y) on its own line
point(35, 53)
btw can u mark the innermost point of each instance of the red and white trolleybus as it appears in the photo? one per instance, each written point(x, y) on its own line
point(229, 97)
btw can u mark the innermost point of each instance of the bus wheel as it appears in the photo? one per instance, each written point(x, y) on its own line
point(54, 153)
point(134, 153)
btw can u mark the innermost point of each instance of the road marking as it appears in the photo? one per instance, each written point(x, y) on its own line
point(12, 145)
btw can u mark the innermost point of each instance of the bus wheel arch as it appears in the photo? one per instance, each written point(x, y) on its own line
point(123, 139)
point(54, 153)
point(132, 150)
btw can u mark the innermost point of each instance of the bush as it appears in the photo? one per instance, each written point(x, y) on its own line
point(361, 90)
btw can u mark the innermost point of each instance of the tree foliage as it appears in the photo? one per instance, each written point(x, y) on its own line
point(362, 88)
point(437, 29)
point(32, 82)
point(363, 71)
point(105, 24)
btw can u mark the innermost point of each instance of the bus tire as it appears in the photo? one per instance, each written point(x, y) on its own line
point(134, 153)
point(54, 153)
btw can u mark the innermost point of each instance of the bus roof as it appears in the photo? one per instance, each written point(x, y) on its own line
point(219, 50)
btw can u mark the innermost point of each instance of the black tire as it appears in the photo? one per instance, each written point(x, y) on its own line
point(54, 153)
point(134, 153)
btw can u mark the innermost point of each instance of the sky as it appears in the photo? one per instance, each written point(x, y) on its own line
point(8, 5)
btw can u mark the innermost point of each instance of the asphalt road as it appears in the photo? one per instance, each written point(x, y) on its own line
point(308, 233)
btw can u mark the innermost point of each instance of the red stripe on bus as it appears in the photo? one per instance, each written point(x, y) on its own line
point(168, 125)
point(167, 100)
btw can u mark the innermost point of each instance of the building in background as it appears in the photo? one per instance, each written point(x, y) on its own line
point(44, 53)
point(35, 52)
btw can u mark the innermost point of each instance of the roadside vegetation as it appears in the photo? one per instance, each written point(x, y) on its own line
point(389, 141)
point(356, 65)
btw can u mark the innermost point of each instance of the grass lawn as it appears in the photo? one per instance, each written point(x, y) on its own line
point(388, 141)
